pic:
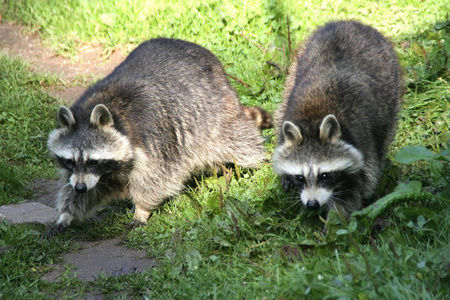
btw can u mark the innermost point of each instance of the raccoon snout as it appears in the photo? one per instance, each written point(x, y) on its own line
point(313, 205)
point(80, 188)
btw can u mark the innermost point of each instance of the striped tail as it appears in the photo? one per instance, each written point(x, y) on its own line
point(261, 117)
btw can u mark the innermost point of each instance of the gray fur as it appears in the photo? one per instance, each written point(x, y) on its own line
point(339, 113)
point(164, 113)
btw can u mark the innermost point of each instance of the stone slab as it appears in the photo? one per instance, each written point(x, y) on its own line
point(106, 257)
point(45, 191)
point(30, 212)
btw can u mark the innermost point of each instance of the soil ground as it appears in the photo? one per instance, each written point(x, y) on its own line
point(88, 63)
point(107, 257)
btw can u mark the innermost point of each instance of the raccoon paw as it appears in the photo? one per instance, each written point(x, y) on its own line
point(54, 230)
point(287, 184)
point(135, 224)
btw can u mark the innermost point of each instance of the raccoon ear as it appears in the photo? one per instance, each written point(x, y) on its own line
point(292, 133)
point(101, 116)
point(330, 130)
point(65, 117)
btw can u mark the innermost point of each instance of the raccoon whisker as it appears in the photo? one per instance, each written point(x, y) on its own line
point(341, 193)
point(337, 199)
point(294, 203)
point(342, 189)
point(294, 198)
point(330, 202)
point(291, 206)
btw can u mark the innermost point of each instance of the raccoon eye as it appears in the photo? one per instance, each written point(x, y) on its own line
point(324, 176)
point(69, 162)
point(91, 162)
point(300, 178)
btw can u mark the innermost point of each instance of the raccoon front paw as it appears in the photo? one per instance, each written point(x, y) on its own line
point(287, 184)
point(54, 230)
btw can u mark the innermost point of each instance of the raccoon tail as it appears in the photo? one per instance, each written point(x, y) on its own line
point(261, 117)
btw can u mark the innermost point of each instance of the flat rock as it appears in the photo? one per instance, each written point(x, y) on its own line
point(45, 191)
point(30, 212)
point(107, 257)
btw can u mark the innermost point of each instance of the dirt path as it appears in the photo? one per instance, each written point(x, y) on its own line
point(89, 62)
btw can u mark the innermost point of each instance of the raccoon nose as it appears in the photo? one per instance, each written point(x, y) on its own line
point(80, 188)
point(312, 205)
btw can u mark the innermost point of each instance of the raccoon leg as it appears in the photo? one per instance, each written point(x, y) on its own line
point(141, 216)
point(63, 222)
point(71, 205)
point(150, 184)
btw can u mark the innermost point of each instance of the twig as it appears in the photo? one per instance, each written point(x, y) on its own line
point(236, 224)
point(239, 81)
point(196, 204)
point(237, 168)
point(375, 248)
point(260, 244)
point(265, 273)
point(271, 63)
point(228, 174)
point(392, 247)
point(221, 198)
point(259, 46)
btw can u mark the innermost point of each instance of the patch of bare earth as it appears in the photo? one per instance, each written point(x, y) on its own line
point(89, 63)
point(108, 257)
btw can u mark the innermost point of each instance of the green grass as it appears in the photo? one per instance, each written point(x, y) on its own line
point(243, 34)
point(241, 238)
point(26, 117)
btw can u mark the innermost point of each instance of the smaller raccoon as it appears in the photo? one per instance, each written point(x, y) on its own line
point(338, 117)
point(165, 112)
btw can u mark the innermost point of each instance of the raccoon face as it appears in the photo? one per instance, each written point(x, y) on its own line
point(87, 152)
point(323, 169)
point(85, 172)
point(318, 187)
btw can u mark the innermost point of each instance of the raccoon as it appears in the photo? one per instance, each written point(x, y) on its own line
point(167, 111)
point(338, 116)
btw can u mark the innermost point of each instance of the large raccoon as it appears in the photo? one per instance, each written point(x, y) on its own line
point(167, 111)
point(339, 116)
